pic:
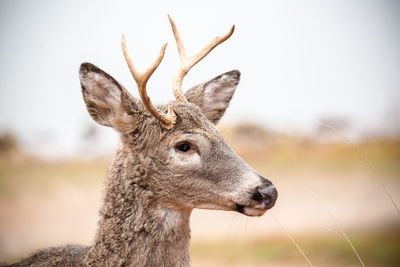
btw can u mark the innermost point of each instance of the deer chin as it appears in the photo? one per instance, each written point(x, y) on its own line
point(213, 206)
point(246, 210)
point(250, 210)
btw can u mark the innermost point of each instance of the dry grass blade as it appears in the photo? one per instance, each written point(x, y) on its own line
point(292, 239)
point(337, 225)
point(362, 155)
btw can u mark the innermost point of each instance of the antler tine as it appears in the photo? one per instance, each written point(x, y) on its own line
point(187, 62)
point(167, 120)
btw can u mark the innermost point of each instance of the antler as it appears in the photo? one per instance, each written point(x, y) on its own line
point(187, 62)
point(167, 120)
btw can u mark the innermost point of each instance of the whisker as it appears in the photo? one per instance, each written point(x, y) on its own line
point(245, 223)
point(231, 223)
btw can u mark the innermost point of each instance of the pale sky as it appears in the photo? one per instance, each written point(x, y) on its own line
point(300, 61)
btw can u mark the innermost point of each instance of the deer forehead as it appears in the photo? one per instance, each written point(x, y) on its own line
point(193, 120)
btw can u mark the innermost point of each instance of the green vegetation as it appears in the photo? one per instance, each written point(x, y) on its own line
point(374, 249)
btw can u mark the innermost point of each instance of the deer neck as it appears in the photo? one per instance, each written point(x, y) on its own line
point(134, 230)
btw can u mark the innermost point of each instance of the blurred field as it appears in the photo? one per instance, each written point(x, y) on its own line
point(55, 202)
point(376, 250)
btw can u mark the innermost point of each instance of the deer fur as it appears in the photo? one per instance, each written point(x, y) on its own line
point(152, 187)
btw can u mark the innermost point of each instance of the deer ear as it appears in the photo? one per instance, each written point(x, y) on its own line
point(107, 102)
point(214, 96)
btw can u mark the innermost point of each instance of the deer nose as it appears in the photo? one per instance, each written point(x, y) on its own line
point(268, 195)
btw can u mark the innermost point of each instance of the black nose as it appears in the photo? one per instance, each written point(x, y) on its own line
point(268, 195)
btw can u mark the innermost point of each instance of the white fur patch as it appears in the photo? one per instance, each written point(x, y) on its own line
point(171, 218)
point(191, 159)
point(249, 181)
point(212, 206)
point(216, 95)
point(102, 89)
point(253, 212)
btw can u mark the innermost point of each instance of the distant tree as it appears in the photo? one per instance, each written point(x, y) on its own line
point(391, 124)
point(89, 139)
point(250, 139)
point(249, 131)
point(8, 142)
point(90, 133)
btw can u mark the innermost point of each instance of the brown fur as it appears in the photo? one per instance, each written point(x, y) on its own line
point(152, 187)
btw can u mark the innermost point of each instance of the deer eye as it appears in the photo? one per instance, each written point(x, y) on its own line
point(183, 147)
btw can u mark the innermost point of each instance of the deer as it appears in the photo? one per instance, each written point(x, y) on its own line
point(172, 159)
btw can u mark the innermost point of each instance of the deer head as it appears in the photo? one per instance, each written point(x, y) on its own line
point(185, 162)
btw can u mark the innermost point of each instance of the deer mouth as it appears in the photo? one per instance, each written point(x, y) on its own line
point(253, 211)
point(254, 204)
point(250, 211)
point(262, 199)
point(231, 206)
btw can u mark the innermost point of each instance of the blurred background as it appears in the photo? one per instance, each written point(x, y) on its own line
point(317, 112)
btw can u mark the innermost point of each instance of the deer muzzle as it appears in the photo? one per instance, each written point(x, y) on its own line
point(266, 194)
